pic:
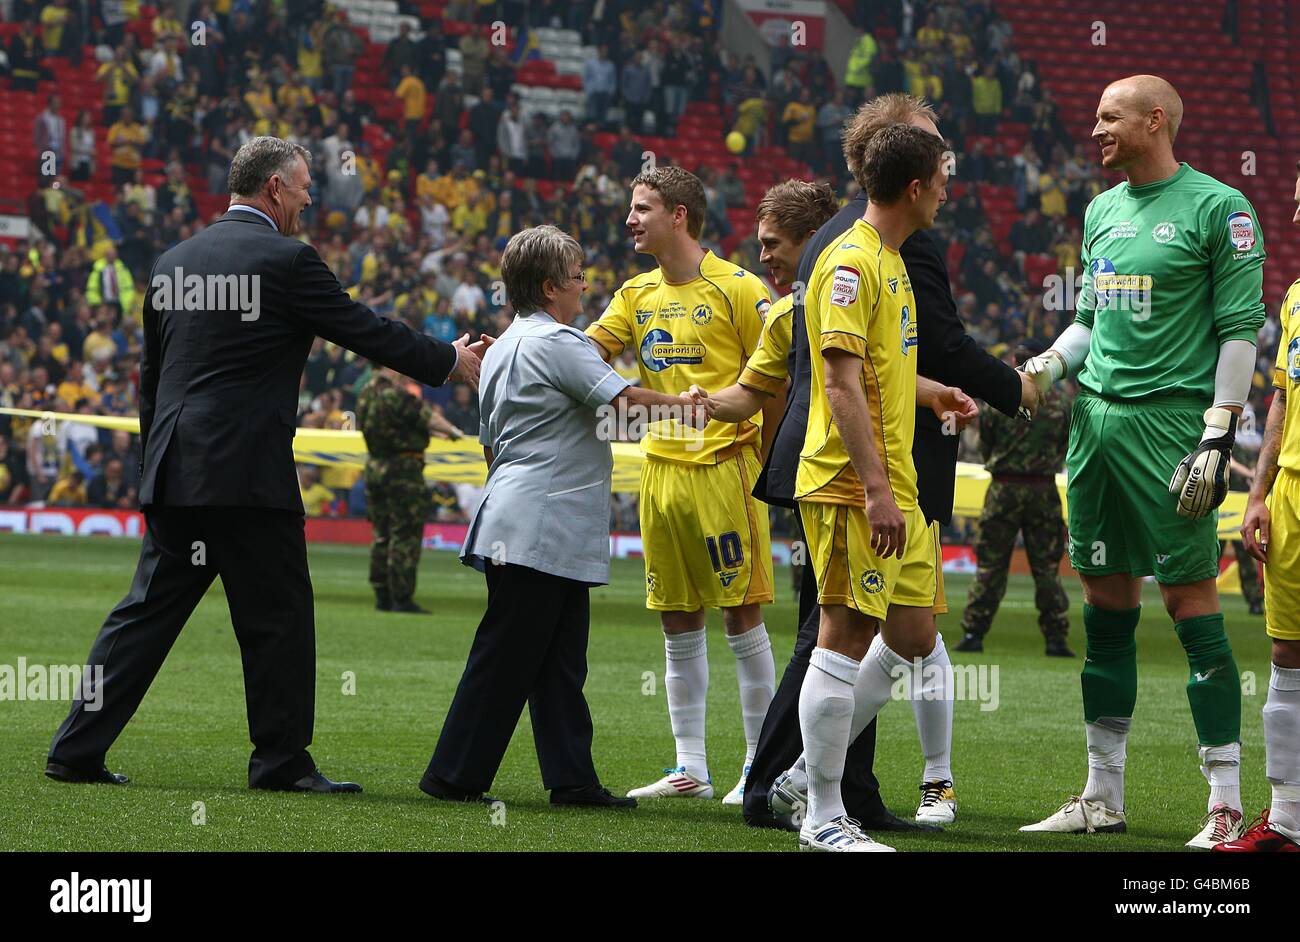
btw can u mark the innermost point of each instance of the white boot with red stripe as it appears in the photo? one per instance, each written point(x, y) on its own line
point(678, 783)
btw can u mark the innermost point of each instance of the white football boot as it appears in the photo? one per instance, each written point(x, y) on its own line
point(938, 803)
point(839, 835)
point(678, 783)
point(737, 795)
point(1081, 816)
point(1221, 824)
point(789, 794)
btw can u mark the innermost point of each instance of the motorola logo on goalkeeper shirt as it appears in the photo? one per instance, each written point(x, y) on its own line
point(177, 291)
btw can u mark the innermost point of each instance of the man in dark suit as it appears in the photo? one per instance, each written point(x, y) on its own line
point(946, 354)
point(229, 318)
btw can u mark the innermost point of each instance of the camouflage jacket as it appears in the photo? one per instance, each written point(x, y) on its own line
point(392, 420)
point(1010, 446)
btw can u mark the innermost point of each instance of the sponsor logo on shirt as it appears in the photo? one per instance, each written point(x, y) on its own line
point(1293, 360)
point(908, 330)
point(1114, 289)
point(659, 351)
point(844, 286)
point(1121, 230)
point(893, 285)
point(642, 316)
point(1241, 229)
point(702, 315)
point(1164, 233)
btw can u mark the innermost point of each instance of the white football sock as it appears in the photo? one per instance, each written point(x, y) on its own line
point(756, 672)
point(1221, 766)
point(932, 694)
point(1107, 750)
point(686, 681)
point(1282, 748)
point(825, 715)
point(875, 683)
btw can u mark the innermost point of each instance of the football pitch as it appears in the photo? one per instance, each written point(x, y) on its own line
point(384, 682)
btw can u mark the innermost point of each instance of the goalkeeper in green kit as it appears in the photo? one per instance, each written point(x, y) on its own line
point(1163, 343)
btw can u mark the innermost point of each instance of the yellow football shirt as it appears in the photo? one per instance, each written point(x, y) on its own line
point(768, 369)
point(1287, 376)
point(860, 300)
point(701, 332)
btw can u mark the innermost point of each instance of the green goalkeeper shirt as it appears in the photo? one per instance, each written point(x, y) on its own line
point(1172, 270)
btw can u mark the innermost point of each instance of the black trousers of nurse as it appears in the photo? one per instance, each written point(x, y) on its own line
point(531, 647)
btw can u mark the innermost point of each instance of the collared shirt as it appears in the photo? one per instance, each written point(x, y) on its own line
point(546, 503)
point(253, 209)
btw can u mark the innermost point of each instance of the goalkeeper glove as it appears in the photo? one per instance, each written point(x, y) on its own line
point(1044, 369)
point(1200, 481)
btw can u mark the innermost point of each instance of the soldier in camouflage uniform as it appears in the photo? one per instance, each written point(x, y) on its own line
point(1022, 497)
point(1240, 476)
point(396, 427)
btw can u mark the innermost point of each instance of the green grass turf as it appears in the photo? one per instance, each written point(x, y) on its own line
point(188, 743)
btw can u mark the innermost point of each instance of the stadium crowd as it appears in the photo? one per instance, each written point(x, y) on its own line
point(414, 227)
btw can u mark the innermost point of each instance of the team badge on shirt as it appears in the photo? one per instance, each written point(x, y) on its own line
point(702, 315)
point(1241, 229)
point(844, 286)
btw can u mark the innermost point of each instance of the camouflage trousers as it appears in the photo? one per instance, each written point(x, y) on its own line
point(1011, 508)
point(1248, 571)
point(397, 502)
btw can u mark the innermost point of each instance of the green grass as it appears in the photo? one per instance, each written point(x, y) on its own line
point(189, 741)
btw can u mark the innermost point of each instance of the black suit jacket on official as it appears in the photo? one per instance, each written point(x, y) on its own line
point(219, 394)
point(945, 353)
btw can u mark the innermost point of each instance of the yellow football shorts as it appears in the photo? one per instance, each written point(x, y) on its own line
point(850, 573)
point(705, 538)
point(1282, 571)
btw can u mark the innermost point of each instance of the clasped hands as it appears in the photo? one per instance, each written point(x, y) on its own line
point(470, 358)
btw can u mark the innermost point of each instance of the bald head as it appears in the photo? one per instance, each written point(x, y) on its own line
point(1147, 94)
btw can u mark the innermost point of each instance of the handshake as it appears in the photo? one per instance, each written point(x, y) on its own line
point(698, 408)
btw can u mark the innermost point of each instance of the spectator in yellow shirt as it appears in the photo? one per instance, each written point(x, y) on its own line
point(986, 97)
point(54, 18)
point(164, 27)
point(69, 491)
point(470, 218)
point(118, 78)
point(1051, 199)
point(126, 138)
point(295, 93)
point(410, 92)
point(799, 119)
point(315, 495)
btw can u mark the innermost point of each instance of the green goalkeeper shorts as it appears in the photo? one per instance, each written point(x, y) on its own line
point(1122, 517)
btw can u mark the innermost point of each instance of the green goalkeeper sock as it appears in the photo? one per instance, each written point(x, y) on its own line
point(1213, 684)
point(1109, 675)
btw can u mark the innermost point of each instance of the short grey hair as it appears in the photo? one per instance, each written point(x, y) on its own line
point(258, 160)
point(533, 257)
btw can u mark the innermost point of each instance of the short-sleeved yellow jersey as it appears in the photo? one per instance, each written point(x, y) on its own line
point(701, 332)
point(860, 300)
point(768, 369)
point(1286, 375)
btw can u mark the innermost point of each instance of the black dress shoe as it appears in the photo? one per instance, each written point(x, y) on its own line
point(445, 791)
point(887, 821)
point(1257, 608)
point(1056, 647)
point(971, 643)
point(62, 773)
point(591, 796)
point(409, 606)
point(383, 602)
point(781, 822)
point(319, 783)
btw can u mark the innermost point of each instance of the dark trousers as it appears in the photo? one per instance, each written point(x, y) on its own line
point(781, 739)
point(261, 556)
point(531, 647)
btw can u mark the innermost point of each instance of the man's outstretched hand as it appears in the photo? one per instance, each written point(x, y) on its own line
point(470, 358)
point(951, 403)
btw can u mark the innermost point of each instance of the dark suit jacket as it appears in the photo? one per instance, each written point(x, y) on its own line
point(219, 394)
point(945, 354)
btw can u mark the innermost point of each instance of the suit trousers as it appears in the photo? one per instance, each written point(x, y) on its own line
point(531, 647)
point(781, 740)
point(261, 556)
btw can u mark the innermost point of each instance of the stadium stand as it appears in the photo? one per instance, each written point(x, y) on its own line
point(474, 144)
